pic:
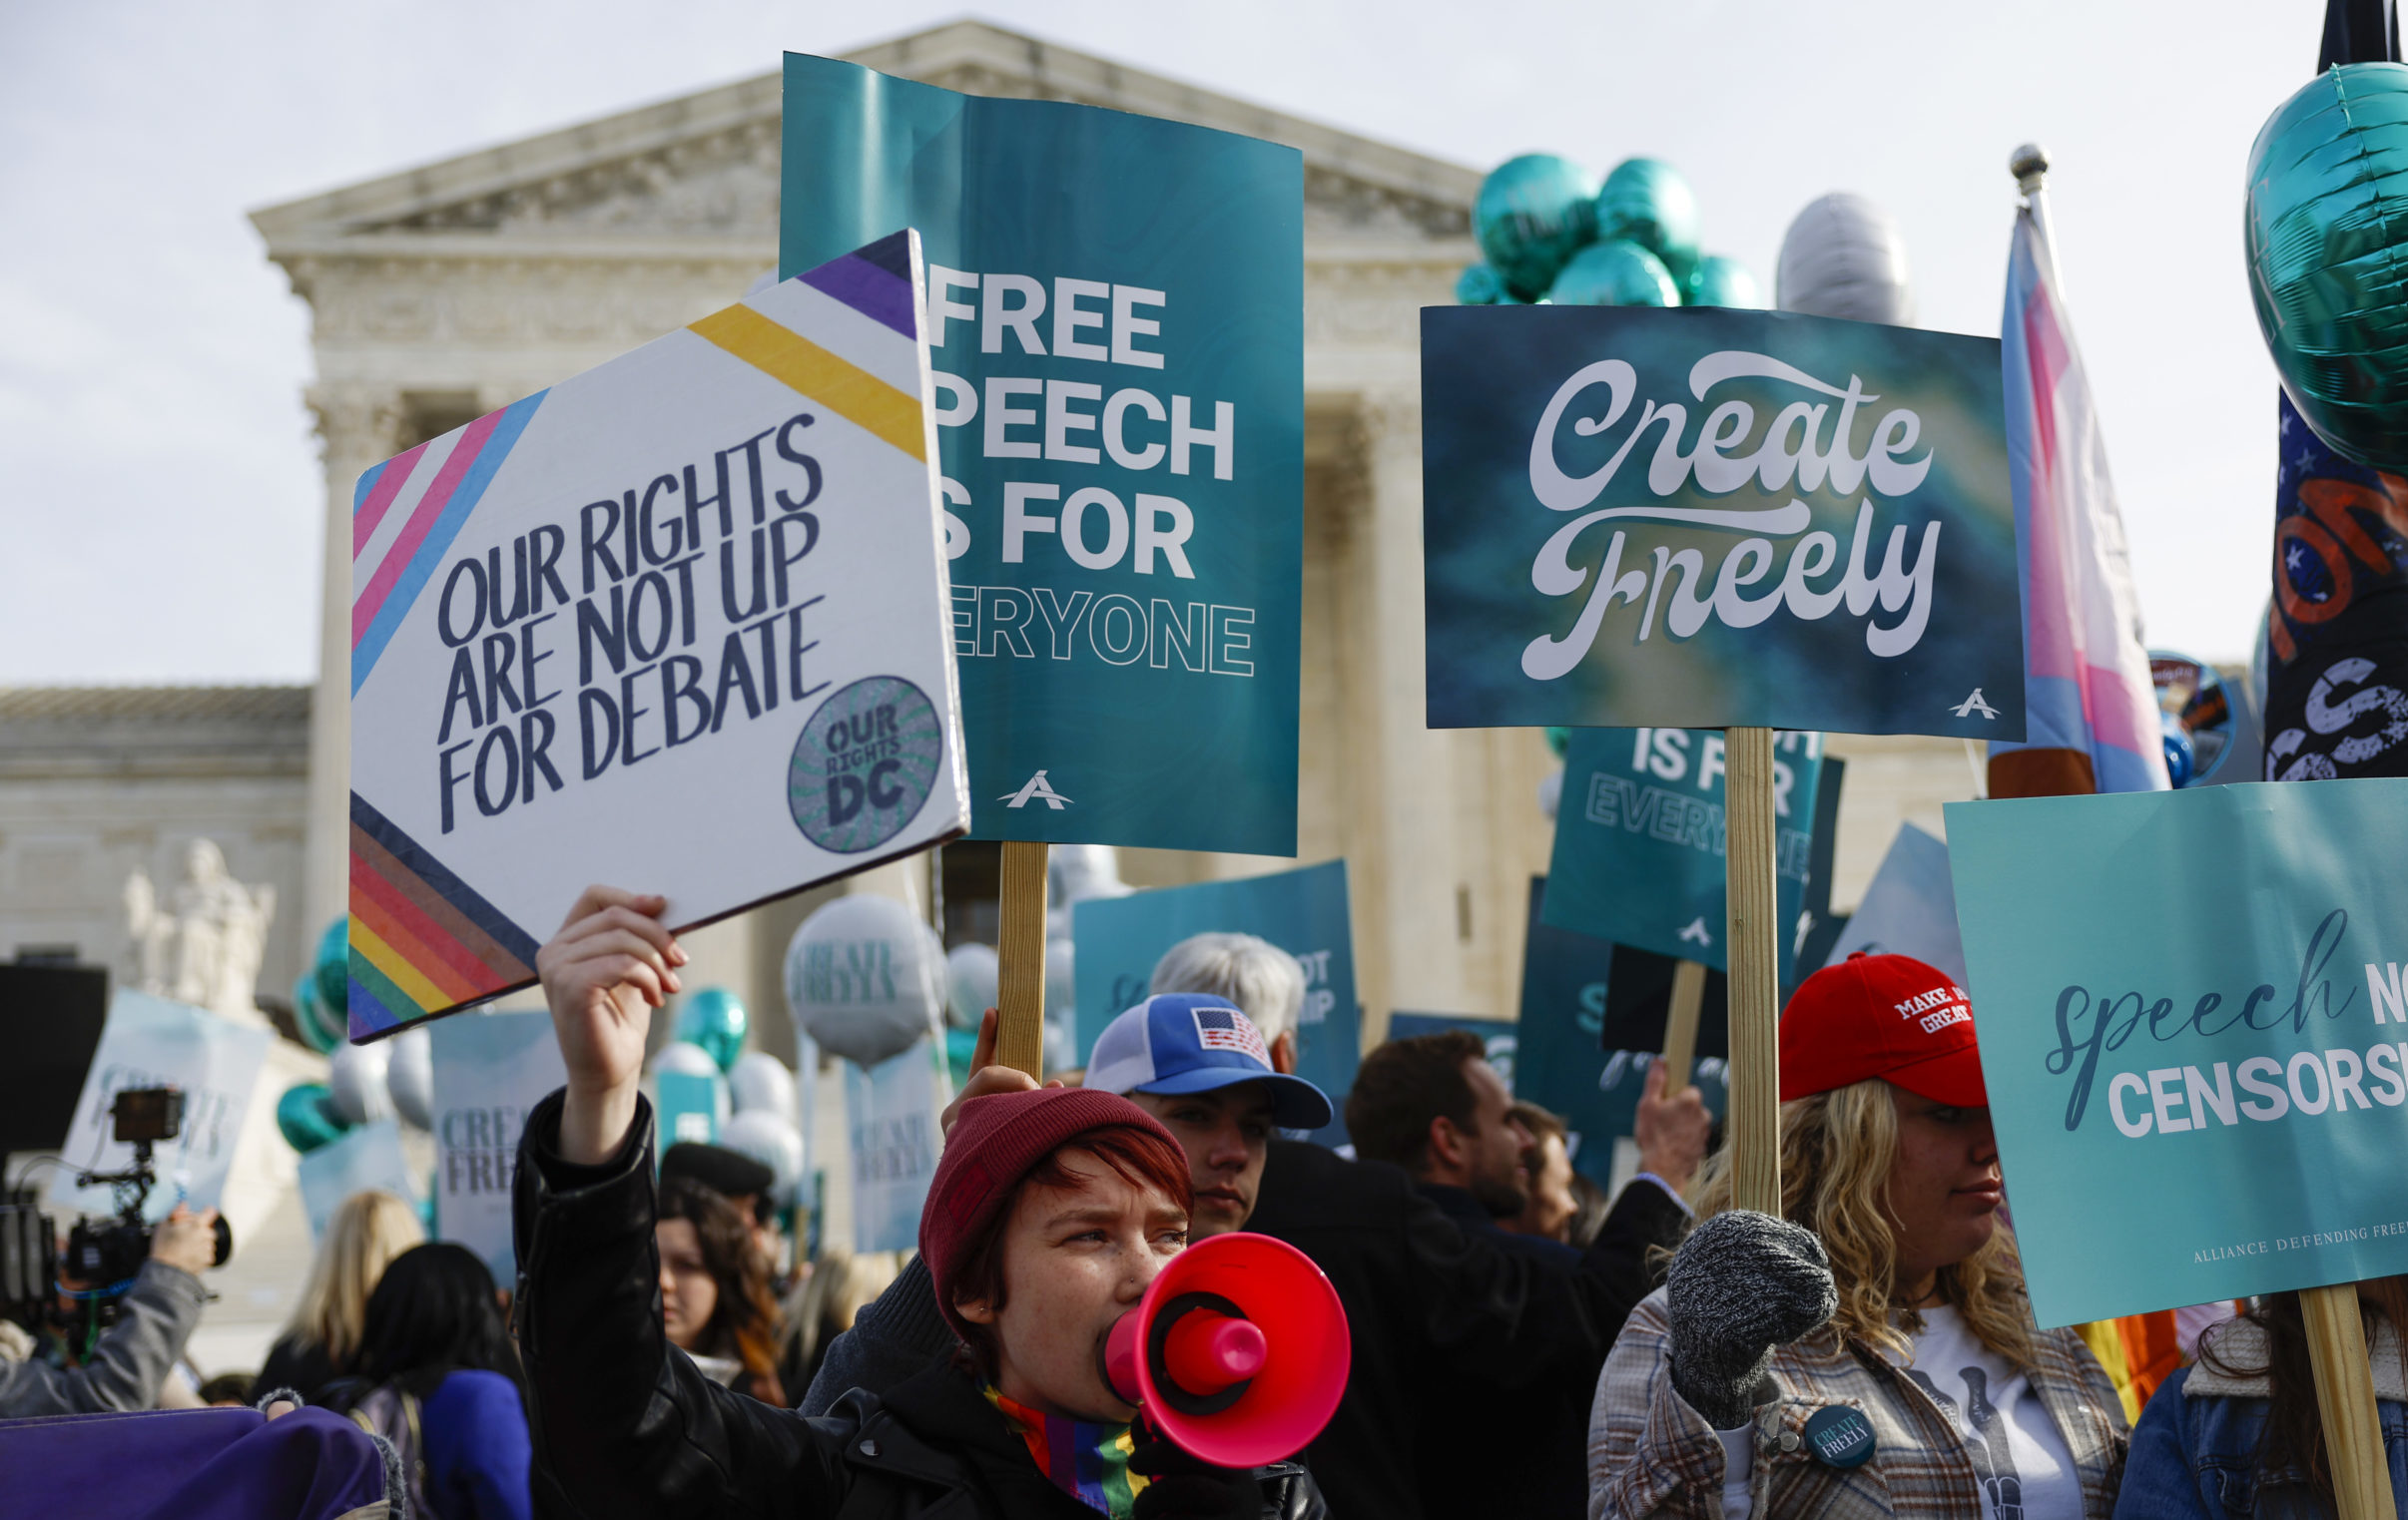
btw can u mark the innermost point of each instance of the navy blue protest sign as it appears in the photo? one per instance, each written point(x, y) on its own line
point(1115, 313)
point(1716, 518)
point(1640, 838)
point(1117, 940)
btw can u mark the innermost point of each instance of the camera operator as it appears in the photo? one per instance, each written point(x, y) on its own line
point(155, 1319)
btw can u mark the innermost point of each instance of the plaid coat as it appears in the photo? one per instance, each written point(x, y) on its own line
point(1650, 1454)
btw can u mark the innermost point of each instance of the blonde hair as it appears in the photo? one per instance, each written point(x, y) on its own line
point(1837, 1150)
point(369, 1230)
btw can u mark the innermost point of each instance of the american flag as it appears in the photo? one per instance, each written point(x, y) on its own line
point(1228, 1029)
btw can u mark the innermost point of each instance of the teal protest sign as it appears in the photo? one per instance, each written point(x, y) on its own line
point(1115, 312)
point(1716, 518)
point(1117, 941)
point(2195, 1036)
point(1639, 839)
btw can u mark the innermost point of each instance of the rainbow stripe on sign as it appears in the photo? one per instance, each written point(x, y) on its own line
point(421, 938)
point(406, 511)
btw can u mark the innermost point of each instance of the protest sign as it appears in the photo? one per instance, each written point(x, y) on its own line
point(490, 1070)
point(1828, 543)
point(1305, 912)
point(1116, 307)
point(890, 1117)
point(676, 622)
point(2189, 1002)
point(152, 1042)
point(366, 1160)
point(1641, 834)
point(686, 1107)
point(1910, 908)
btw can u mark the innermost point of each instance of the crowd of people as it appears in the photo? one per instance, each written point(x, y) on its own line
point(1522, 1344)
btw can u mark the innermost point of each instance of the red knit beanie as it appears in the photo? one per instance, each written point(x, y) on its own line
point(995, 1142)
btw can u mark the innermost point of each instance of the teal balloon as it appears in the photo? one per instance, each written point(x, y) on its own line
point(318, 1029)
point(1532, 214)
point(1616, 274)
point(333, 966)
point(2327, 241)
point(1721, 282)
point(1647, 202)
point(1481, 285)
point(306, 1116)
point(713, 1019)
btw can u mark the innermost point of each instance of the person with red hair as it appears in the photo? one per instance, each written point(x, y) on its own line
point(1050, 1212)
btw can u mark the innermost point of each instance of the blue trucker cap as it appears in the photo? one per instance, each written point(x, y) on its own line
point(1191, 1042)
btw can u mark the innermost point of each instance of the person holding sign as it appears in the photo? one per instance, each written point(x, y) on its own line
point(1882, 1324)
point(2245, 1418)
point(1051, 1213)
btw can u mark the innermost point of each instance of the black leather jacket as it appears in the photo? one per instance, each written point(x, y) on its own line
point(629, 1428)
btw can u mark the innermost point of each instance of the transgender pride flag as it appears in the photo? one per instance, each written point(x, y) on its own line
point(2090, 711)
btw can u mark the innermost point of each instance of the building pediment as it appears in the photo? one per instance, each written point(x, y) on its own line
point(701, 170)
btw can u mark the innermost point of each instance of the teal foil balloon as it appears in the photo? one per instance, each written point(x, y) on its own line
point(1721, 282)
point(715, 1020)
point(333, 966)
point(305, 1117)
point(318, 1029)
point(1616, 273)
point(1532, 214)
point(1481, 285)
point(2327, 234)
point(1648, 203)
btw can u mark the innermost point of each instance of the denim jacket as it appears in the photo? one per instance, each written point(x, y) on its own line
point(2194, 1452)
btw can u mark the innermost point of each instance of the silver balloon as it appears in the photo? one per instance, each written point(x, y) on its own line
point(970, 978)
point(865, 977)
point(771, 1141)
point(355, 1082)
point(1843, 256)
point(686, 1059)
point(759, 1083)
point(409, 1076)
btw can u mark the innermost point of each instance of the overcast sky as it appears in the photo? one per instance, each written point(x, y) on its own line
point(159, 482)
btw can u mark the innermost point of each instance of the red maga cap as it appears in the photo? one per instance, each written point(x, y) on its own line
point(1886, 1016)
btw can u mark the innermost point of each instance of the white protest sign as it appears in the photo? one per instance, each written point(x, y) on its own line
point(890, 1113)
point(678, 623)
point(366, 1160)
point(152, 1042)
point(490, 1070)
point(1910, 908)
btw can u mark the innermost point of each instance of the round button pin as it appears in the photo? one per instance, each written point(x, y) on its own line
point(1841, 1436)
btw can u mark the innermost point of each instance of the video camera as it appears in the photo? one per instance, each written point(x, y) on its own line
point(102, 1256)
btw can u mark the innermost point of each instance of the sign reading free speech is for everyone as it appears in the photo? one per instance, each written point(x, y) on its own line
point(2195, 1036)
point(1715, 518)
point(1117, 308)
point(676, 622)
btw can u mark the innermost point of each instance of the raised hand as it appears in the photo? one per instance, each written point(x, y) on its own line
point(610, 965)
point(1742, 1284)
point(1671, 1132)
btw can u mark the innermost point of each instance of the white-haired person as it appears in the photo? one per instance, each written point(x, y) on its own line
point(1872, 1353)
point(1252, 973)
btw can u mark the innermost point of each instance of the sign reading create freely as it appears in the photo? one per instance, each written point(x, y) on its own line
point(2194, 1035)
point(490, 1070)
point(676, 622)
point(1716, 518)
point(1640, 838)
point(1117, 312)
point(153, 1042)
point(1305, 912)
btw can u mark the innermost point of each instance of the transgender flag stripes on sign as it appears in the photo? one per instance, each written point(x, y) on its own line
point(2087, 683)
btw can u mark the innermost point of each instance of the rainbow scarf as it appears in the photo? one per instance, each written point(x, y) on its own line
point(1087, 1461)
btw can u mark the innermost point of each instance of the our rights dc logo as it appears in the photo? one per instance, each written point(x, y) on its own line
point(865, 762)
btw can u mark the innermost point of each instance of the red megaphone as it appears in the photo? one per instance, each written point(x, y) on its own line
point(1238, 1353)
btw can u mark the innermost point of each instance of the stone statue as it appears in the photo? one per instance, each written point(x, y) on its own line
point(205, 944)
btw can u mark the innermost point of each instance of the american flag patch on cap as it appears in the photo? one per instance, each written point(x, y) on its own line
point(1228, 1029)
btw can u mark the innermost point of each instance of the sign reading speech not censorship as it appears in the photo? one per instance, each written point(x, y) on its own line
point(1117, 308)
point(1716, 518)
point(2194, 1034)
point(1640, 838)
point(1305, 912)
point(676, 622)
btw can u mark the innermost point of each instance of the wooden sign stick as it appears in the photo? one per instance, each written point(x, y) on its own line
point(1020, 959)
point(1752, 944)
point(1680, 1023)
point(2345, 1399)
